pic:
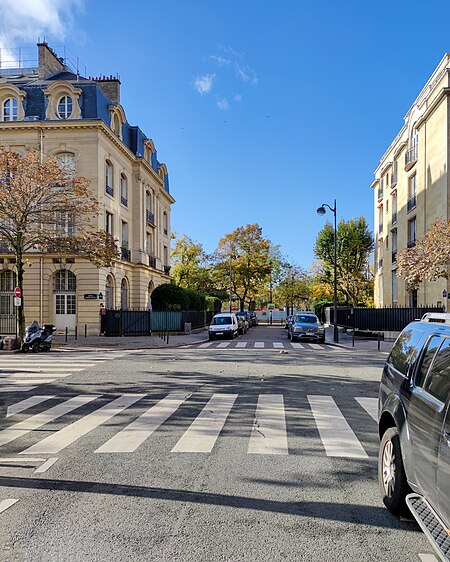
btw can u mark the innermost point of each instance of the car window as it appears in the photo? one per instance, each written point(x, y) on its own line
point(405, 350)
point(221, 320)
point(432, 346)
point(306, 319)
point(438, 380)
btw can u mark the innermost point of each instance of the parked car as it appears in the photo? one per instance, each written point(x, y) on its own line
point(223, 325)
point(243, 322)
point(414, 428)
point(245, 318)
point(306, 326)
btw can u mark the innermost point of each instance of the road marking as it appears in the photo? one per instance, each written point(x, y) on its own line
point(241, 344)
point(205, 429)
point(129, 439)
point(259, 344)
point(21, 382)
point(224, 344)
point(297, 345)
point(316, 346)
point(26, 404)
point(207, 344)
point(5, 504)
point(34, 422)
point(55, 443)
point(24, 376)
point(47, 464)
point(16, 388)
point(278, 345)
point(428, 558)
point(370, 405)
point(22, 459)
point(336, 434)
point(269, 436)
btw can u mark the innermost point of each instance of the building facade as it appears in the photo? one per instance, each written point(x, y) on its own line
point(411, 190)
point(81, 121)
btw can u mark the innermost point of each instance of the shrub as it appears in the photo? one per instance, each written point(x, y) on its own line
point(197, 301)
point(213, 304)
point(171, 297)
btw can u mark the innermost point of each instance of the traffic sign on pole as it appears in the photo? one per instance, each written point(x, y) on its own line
point(17, 292)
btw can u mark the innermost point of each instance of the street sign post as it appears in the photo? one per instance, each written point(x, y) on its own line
point(17, 292)
point(17, 301)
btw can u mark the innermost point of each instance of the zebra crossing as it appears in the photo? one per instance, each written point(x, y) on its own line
point(22, 373)
point(268, 434)
point(259, 345)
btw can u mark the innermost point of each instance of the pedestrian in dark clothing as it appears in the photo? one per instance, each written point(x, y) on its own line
point(102, 314)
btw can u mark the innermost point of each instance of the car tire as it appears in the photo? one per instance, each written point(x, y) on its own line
point(211, 338)
point(322, 340)
point(391, 473)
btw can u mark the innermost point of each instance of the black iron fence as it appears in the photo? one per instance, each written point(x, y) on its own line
point(138, 322)
point(7, 324)
point(379, 319)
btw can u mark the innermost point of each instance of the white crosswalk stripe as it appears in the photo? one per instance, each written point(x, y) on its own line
point(278, 345)
point(268, 434)
point(22, 373)
point(370, 405)
point(259, 344)
point(336, 434)
point(224, 344)
point(64, 437)
point(251, 345)
point(241, 344)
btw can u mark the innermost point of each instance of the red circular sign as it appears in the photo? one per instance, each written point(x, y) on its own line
point(17, 292)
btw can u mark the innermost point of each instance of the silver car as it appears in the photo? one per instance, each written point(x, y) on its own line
point(306, 326)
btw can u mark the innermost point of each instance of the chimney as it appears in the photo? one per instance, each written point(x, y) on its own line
point(110, 86)
point(49, 63)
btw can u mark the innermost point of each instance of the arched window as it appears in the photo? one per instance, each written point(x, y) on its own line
point(66, 161)
point(9, 110)
point(124, 294)
point(6, 281)
point(64, 281)
point(109, 292)
point(124, 190)
point(109, 178)
point(116, 125)
point(65, 106)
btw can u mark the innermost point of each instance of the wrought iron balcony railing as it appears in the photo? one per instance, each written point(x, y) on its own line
point(394, 217)
point(394, 178)
point(166, 269)
point(124, 201)
point(380, 263)
point(110, 190)
point(411, 203)
point(380, 193)
point(380, 228)
point(411, 244)
point(411, 156)
point(125, 254)
point(394, 256)
point(150, 217)
point(152, 261)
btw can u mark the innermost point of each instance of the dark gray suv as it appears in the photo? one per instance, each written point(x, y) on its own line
point(414, 428)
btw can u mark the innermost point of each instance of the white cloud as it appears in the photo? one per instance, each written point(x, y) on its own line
point(223, 104)
point(221, 61)
point(246, 73)
point(27, 20)
point(237, 98)
point(204, 84)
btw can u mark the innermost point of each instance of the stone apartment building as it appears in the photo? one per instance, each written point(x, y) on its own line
point(81, 121)
point(411, 189)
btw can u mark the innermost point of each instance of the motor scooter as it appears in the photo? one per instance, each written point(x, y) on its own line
point(37, 338)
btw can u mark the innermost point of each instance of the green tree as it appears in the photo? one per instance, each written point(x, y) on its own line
point(246, 254)
point(46, 208)
point(293, 288)
point(189, 265)
point(354, 246)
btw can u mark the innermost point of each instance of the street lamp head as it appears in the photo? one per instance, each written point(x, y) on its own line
point(321, 210)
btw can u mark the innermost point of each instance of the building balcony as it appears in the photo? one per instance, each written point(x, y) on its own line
point(394, 256)
point(124, 201)
point(380, 193)
point(394, 178)
point(410, 205)
point(109, 190)
point(150, 217)
point(166, 269)
point(125, 254)
point(152, 261)
point(394, 217)
point(411, 157)
point(411, 244)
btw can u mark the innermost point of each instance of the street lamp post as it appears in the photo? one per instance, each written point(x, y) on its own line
point(231, 273)
point(270, 291)
point(321, 211)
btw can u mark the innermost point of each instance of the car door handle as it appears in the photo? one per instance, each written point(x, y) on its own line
point(446, 436)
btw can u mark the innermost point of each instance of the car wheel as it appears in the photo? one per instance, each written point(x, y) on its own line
point(322, 340)
point(391, 473)
point(211, 338)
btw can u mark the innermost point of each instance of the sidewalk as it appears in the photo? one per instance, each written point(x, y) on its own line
point(346, 341)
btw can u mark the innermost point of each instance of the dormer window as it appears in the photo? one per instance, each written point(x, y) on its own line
point(9, 110)
point(65, 107)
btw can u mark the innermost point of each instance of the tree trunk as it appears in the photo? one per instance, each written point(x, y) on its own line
point(20, 316)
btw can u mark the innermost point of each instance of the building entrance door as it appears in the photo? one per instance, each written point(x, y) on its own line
point(64, 300)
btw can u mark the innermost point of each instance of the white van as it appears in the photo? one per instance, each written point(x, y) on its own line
point(223, 325)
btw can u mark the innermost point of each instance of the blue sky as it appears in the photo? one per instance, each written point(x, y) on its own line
point(262, 111)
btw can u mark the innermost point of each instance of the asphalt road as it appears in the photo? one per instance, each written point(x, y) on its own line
point(237, 454)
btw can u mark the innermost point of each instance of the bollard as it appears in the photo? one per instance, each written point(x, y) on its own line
point(85, 330)
point(66, 333)
point(353, 338)
point(378, 338)
point(76, 333)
